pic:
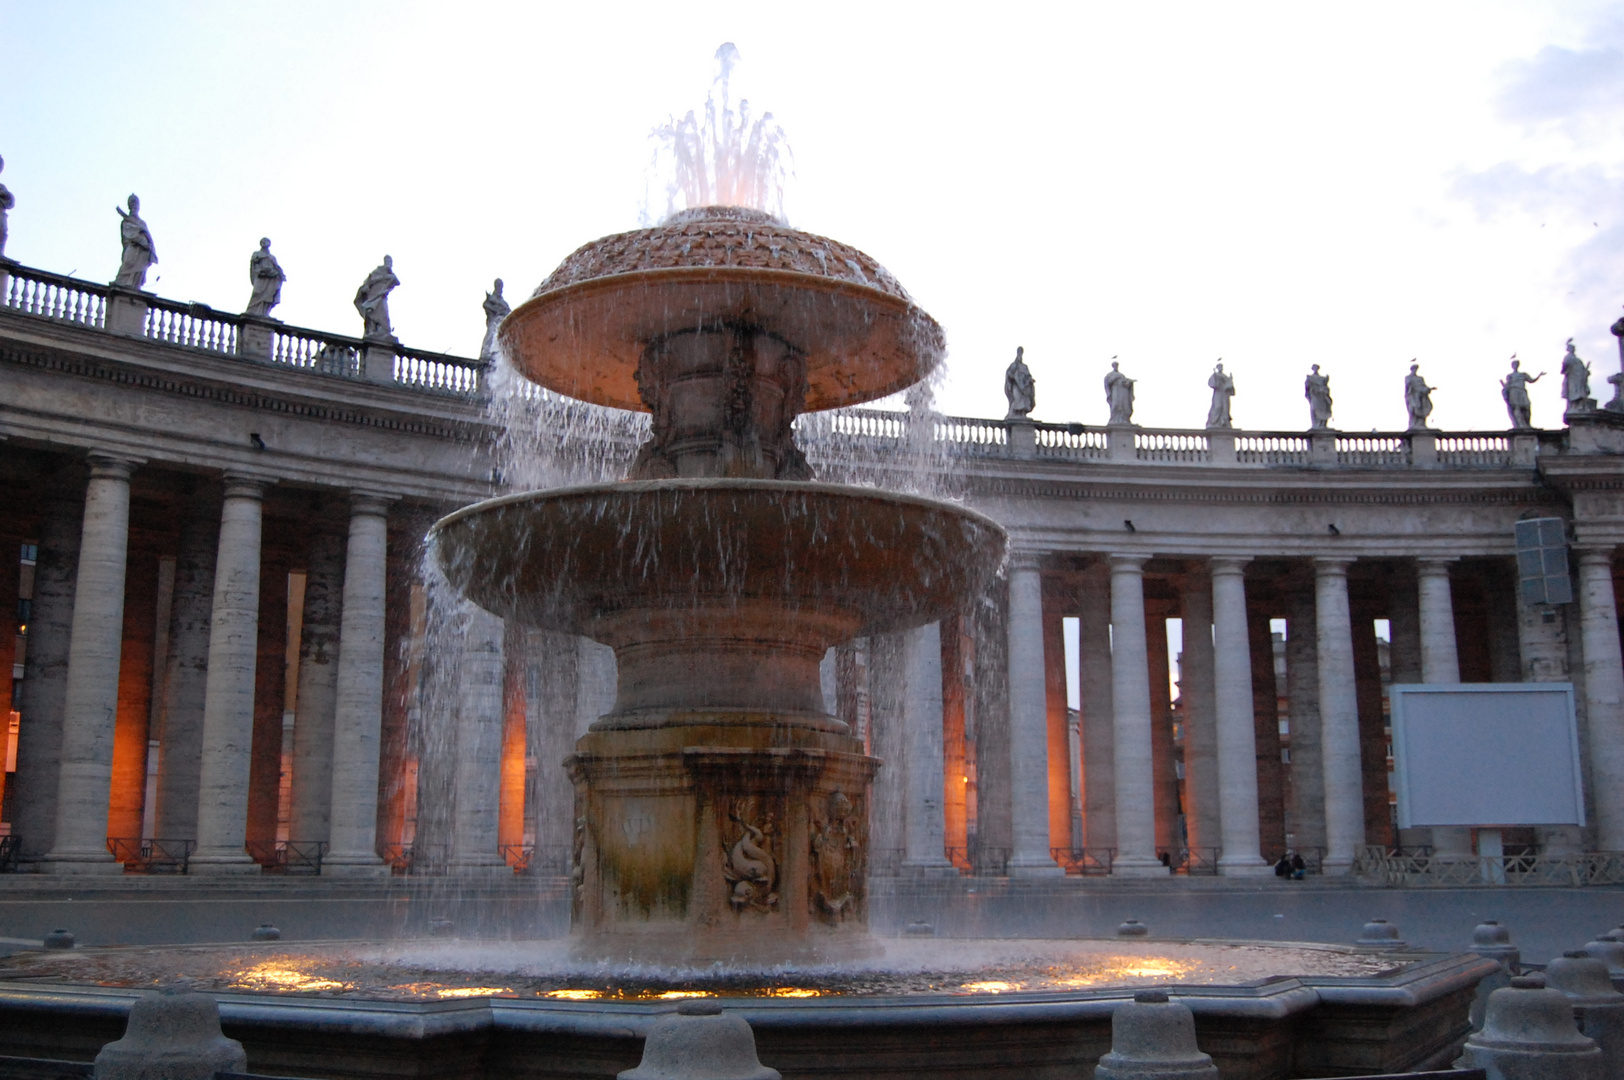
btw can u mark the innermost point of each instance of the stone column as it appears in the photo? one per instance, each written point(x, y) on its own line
point(1237, 742)
point(85, 776)
point(924, 851)
point(317, 696)
point(1339, 716)
point(228, 694)
point(1198, 698)
point(358, 712)
point(1099, 729)
point(1130, 700)
point(474, 848)
point(44, 687)
point(1028, 721)
point(180, 747)
point(1302, 692)
point(1604, 694)
point(1440, 663)
point(1439, 660)
point(1543, 643)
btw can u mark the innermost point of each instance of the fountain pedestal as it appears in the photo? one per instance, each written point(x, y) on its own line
point(737, 841)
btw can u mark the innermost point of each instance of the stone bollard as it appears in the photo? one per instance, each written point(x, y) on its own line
point(1153, 1038)
point(1380, 934)
point(1598, 1007)
point(172, 1034)
point(1615, 934)
point(700, 1042)
point(1491, 940)
point(1133, 928)
point(1611, 953)
point(58, 939)
point(1530, 1034)
point(265, 932)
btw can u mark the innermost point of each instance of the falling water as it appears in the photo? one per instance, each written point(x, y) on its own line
point(725, 157)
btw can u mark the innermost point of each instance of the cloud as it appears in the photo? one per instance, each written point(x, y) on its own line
point(1587, 191)
point(1571, 89)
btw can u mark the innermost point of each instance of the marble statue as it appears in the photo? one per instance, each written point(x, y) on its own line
point(1119, 395)
point(496, 309)
point(1616, 381)
point(139, 252)
point(1223, 391)
point(1019, 387)
point(1575, 381)
point(266, 276)
point(372, 299)
point(1317, 389)
point(7, 201)
point(1514, 389)
point(1417, 398)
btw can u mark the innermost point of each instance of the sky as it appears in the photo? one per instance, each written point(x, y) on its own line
point(1275, 185)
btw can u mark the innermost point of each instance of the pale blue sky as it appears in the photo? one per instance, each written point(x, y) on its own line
point(1276, 184)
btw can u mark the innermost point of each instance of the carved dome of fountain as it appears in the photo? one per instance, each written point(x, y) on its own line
point(584, 330)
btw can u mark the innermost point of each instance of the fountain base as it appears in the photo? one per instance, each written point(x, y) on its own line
point(721, 837)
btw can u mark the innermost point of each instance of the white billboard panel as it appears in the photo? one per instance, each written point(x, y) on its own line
point(1486, 754)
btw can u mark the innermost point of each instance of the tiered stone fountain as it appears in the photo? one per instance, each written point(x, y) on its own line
point(721, 810)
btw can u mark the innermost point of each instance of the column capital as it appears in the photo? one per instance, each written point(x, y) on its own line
point(1434, 565)
point(1332, 565)
point(246, 485)
point(1595, 554)
point(118, 466)
point(1228, 564)
point(1024, 560)
point(376, 503)
point(1136, 563)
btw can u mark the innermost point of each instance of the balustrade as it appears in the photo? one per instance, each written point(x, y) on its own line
point(193, 326)
point(1071, 442)
point(54, 296)
point(1269, 449)
point(1171, 446)
point(1373, 451)
point(1469, 450)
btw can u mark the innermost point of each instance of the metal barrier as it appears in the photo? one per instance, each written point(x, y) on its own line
point(10, 848)
point(151, 856)
point(1527, 869)
point(288, 856)
point(398, 857)
point(1197, 861)
point(1087, 862)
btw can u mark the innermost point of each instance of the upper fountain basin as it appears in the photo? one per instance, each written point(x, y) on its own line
point(578, 559)
point(586, 327)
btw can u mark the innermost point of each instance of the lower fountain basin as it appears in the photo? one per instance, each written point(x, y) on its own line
point(996, 1009)
point(718, 594)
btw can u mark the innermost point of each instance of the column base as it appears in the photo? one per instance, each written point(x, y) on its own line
point(479, 869)
point(1033, 866)
point(1246, 866)
point(80, 864)
point(221, 865)
point(1336, 867)
point(937, 868)
point(353, 866)
point(1139, 866)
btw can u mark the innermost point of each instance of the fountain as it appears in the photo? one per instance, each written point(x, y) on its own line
point(721, 811)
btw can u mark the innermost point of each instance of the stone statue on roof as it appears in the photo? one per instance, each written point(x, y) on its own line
point(1223, 392)
point(139, 251)
point(1576, 382)
point(1019, 387)
point(7, 201)
point(496, 309)
point(1417, 398)
point(266, 276)
point(1119, 395)
point(1317, 389)
point(1514, 390)
point(372, 299)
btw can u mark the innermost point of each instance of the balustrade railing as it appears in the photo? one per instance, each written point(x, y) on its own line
point(1070, 442)
point(1170, 446)
point(1373, 451)
point(972, 435)
point(1271, 449)
point(437, 371)
point(1469, 450)
point(326, 353)
point(192, 326)
point(54, 296)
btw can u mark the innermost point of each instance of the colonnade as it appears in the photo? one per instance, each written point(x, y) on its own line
point(1338, 757)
